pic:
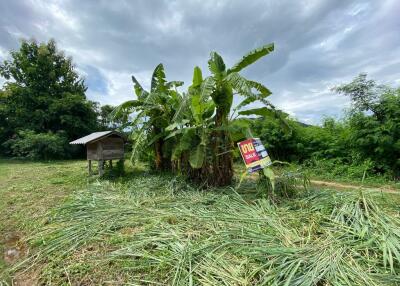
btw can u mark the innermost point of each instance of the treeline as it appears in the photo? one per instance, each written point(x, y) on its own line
point(43, 104)
point(368, 136)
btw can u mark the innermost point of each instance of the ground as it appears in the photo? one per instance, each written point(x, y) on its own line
point(127, 224)
point(28, 191)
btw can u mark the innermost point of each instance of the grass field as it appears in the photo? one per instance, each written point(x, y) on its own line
point(58, 227)
point(28, 191)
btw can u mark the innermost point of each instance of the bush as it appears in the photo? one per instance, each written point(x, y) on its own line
point(33, 145)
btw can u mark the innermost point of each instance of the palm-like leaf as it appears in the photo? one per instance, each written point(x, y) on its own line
point(251, 57)
point(181, 109)
point(124, 108)
point(216, 65)
point(139, 139)
point(197, 77)
point(269, 112)
point(262, 111)
point(158, 80)
point(259, 87)
point(207, 88)
point(197, 157)
point(139, 90)
point(174, 83)
point(239, 84)
point(248, 100)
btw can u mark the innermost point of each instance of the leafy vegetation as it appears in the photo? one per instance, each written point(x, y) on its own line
point(33, 145)
point(193, 132)
point(135, 226)
point(149, 228)
point(149, 115)
point(364, 143)
point(43, 95)
point(197, 122)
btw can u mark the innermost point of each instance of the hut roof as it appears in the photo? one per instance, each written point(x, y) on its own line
point(96, 136)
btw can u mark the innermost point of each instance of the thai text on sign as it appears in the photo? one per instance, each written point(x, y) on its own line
point(254, 154)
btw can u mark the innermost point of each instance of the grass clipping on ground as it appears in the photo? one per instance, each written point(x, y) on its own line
point(158, 230)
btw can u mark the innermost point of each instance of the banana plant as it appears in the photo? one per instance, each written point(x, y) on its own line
point(195, 125)
point(221, 86)
point(149, 114)
point(192, 126)
point(201, 123)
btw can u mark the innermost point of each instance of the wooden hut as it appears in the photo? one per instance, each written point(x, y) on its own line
point(102, 146)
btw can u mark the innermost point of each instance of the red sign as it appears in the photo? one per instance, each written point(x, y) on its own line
point(248, 152)
point(254, 154)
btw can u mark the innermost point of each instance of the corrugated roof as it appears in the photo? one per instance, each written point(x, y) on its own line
point(94, 136)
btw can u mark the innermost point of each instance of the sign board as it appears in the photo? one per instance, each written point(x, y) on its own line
point(254, 154)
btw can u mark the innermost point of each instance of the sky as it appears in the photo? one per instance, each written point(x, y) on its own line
point(318, 44)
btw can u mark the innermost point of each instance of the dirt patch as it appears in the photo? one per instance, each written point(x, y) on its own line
point(13, 248)
point(29, 278)
point(336, 185)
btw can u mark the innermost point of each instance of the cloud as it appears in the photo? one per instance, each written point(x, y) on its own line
point(318, 43)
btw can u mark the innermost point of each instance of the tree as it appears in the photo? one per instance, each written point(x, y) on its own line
point(33, 145)
point(202, 124)
point(149, 115)
point(43, 93)
point(106, 119)
point(375, 123)
point(363, 93)
point(192, 130)
point(222, 85)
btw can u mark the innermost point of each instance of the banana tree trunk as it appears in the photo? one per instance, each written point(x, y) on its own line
point(222, 174)
point(162, 163)
point(158, 154)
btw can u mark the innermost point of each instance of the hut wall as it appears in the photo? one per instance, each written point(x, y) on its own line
point(92, 151)
point(111, 148)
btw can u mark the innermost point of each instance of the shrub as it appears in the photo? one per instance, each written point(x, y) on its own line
point(33, 145)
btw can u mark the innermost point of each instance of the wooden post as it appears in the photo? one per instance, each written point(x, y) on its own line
point(101, 168)
point(90, 167)
point(110, 164)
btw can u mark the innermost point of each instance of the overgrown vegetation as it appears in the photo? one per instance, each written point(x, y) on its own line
point(28, 144)
point(146, 229)
point(193, 132)
point(364, 143)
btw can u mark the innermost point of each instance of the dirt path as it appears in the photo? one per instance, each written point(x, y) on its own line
point(342, 186)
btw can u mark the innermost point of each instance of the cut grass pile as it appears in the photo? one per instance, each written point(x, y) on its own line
point(158, 230)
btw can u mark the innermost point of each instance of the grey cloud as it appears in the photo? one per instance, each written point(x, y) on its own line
point(318, 43)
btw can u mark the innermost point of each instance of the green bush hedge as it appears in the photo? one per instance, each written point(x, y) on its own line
point(33, 145)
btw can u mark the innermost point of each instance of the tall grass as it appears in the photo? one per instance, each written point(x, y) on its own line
point(159, 231)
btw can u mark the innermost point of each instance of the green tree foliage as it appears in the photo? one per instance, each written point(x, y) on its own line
point(369, 136)
point(377, 136)
point(33, 145)
point(106, 119)
point(363, 93)
point(299, 141)
point(196, 124)
point(374, 123)
point(148, 116)
point(43, 93)
point(210, 134)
